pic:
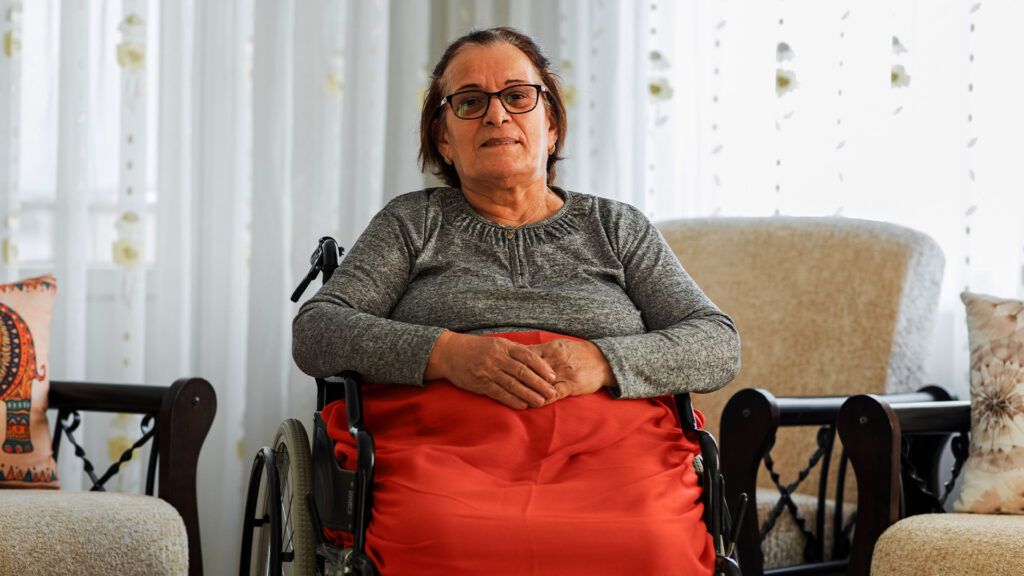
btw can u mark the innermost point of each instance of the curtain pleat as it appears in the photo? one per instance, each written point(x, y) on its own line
point(267, 395)
point(364, 115)
point(170, 344)
point(222, 161)
point(409, 52)
point(68, 343)
point(10, 139)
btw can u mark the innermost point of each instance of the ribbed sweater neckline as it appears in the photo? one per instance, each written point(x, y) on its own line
point(458, 212)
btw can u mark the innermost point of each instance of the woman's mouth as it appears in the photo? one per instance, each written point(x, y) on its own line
point(499, 142)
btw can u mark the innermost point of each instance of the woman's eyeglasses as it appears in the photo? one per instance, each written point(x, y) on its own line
point(473, 104)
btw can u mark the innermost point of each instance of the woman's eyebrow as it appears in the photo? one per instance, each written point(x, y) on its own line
point(507, 82)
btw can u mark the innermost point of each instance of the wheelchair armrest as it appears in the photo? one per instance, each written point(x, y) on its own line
point(184, 412)
point(749, 423)
point(330, 480)
point(882, 440)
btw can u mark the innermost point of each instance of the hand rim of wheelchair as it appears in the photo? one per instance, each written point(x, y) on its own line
point(280, 480)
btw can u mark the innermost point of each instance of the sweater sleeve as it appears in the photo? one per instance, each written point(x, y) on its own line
point(690, 345)
point(345, 325)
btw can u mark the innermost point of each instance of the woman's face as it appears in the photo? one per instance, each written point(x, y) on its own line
point(508, 148)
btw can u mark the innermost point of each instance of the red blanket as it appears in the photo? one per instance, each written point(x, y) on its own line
point(585, 486)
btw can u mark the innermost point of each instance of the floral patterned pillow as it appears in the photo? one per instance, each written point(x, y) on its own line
point(26, 458)
point(994, 472)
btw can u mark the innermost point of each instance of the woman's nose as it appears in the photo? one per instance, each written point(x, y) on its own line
point(496, 114)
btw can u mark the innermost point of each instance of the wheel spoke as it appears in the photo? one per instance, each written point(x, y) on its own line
point(288, 532)
point(288, 528)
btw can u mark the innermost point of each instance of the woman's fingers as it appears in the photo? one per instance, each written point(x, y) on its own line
point(530, 370)
point(580, 365)
point(534, 362)
point(516, 388)
point(564, 389)
point(496, 392)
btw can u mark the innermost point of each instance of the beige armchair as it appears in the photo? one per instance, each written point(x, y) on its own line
point(99, 532)
point(825, 307)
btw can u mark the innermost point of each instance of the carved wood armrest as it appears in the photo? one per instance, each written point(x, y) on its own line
point(748, 429)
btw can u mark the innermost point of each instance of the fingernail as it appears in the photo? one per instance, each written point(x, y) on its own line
point(552, 376)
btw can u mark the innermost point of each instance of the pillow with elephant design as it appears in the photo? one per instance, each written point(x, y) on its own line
point(994, 472)
point(26, 457)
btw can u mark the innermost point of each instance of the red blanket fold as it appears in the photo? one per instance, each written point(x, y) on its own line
point(585, 486)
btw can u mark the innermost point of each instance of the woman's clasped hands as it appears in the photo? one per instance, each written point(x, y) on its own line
point(516, 375)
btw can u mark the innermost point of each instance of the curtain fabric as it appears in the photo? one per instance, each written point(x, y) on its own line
point(174, 163)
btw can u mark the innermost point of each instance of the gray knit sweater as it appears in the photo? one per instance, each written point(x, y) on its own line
point(597, 269)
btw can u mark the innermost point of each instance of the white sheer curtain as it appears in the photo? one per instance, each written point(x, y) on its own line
point(175, 162)
point(899, 111)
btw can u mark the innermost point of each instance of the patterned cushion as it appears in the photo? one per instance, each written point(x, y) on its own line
point(26, 458)
point(994, 472)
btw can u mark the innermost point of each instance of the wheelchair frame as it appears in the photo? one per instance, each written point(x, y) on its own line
point(342, 499)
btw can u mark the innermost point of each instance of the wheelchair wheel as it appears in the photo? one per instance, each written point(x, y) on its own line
point(286, 544)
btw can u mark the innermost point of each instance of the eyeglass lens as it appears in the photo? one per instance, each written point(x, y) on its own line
point(515, 99)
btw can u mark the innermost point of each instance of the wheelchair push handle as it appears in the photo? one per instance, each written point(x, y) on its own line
point(324, 259)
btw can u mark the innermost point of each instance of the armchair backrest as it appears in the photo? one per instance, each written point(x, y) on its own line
point(824, 306)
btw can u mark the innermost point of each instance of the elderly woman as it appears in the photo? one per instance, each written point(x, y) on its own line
point(522, 339)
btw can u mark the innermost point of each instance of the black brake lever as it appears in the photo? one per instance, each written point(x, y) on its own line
point(320, 261)
point(314, 271)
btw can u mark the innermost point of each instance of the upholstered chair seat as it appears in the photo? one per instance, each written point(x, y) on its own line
point(987, 544)
point(64, 532)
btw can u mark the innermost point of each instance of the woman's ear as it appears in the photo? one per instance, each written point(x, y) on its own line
point(552, 132)
point(441, 139)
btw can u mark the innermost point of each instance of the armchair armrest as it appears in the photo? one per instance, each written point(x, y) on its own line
point(750, 421)
point(883, 440)
point(183, 411)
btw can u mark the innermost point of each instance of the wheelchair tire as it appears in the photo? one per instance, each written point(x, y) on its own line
point(298, 542)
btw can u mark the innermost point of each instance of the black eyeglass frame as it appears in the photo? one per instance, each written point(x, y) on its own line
point(541, 89)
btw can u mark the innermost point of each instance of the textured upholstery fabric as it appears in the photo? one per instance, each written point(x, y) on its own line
point(57, 532)
point(951, 544)
point(26, 459)
point(823, 306)
point(994, 472)
point(783, 545)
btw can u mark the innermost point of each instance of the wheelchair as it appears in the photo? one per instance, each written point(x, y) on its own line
point(295, 492)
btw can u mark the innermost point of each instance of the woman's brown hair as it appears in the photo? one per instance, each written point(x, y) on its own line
point(431, 117)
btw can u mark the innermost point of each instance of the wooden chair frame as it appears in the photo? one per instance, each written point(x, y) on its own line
point(896, 451)
point(182, 414)
point(748, 430)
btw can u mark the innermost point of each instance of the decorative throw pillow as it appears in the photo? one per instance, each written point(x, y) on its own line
point(26, 457)
point(994, 472)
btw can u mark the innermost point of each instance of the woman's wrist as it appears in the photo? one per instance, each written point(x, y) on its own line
point(436, 365)
point(607, 374)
